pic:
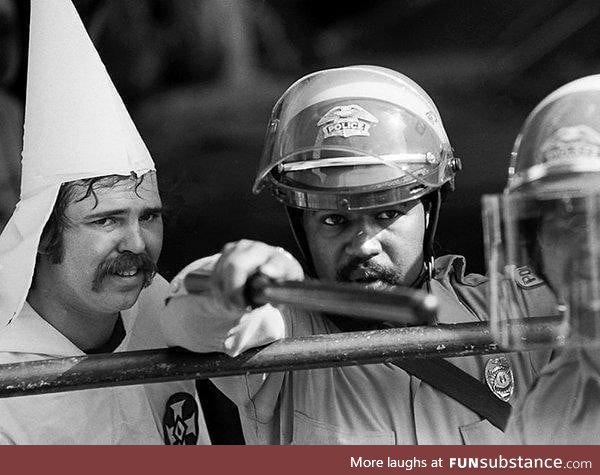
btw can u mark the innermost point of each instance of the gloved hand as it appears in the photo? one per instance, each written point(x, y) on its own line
point(241, 260)
point(219, 319)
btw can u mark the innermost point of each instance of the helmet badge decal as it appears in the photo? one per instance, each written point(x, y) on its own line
point(571, 142)
point(346, 121)
point(180, 421)
point(499, 377)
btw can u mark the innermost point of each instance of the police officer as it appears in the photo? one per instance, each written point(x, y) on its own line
point(550, 214)
point(361, 160)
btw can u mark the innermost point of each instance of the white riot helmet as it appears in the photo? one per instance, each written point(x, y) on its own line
point(544, 230)
point(355, 138)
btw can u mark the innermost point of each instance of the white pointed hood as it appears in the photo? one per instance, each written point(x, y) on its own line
point(76, 126)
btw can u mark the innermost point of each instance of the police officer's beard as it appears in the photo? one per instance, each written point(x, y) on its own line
point(367, 272)
point(360, 270)
point(122, 263)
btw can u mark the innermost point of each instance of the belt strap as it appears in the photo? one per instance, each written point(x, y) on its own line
point(460, 386)
point(446, 378)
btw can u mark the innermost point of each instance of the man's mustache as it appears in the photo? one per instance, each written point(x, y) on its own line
point(124, 262)
point(369, 271)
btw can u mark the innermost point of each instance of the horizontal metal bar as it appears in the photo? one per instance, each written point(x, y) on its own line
point(317, 351)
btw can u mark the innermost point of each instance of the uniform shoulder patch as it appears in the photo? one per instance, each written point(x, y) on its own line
point(180, 421)
point(526, 278)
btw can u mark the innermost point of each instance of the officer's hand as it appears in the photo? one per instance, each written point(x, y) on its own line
point(241, 260)
point(210, 320)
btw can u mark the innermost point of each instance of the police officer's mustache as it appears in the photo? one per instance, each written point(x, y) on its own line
point(124, 263)
point(361, 270)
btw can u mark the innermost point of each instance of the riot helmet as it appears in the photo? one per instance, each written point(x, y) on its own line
point(543, 231)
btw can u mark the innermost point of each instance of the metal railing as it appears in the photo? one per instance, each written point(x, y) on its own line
point(317, 351)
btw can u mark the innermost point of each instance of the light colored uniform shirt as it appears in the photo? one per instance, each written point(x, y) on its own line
point(143, 414)
point(563, 407)
point(369, 404)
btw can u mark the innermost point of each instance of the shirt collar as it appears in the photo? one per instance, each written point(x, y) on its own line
point(30, 333)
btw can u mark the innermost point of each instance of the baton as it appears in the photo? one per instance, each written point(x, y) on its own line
point(402, 306)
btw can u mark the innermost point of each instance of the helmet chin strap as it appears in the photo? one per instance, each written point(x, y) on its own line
point(432, 215)
point(295, 217)
point(424, 276)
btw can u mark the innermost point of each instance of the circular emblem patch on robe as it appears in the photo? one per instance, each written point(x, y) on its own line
point(180, 422)
point(499, 377)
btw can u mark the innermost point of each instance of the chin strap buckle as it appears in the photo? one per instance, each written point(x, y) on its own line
point(429, 267)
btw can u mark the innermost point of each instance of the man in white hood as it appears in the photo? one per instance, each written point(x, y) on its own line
point(78, 257)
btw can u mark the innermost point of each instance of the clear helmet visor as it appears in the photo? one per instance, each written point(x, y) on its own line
point(331, 146)
point(543, 250)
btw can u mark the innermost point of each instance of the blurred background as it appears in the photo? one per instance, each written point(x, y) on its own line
point(200, 77)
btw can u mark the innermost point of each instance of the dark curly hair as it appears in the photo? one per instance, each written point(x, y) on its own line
point(51, 241)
